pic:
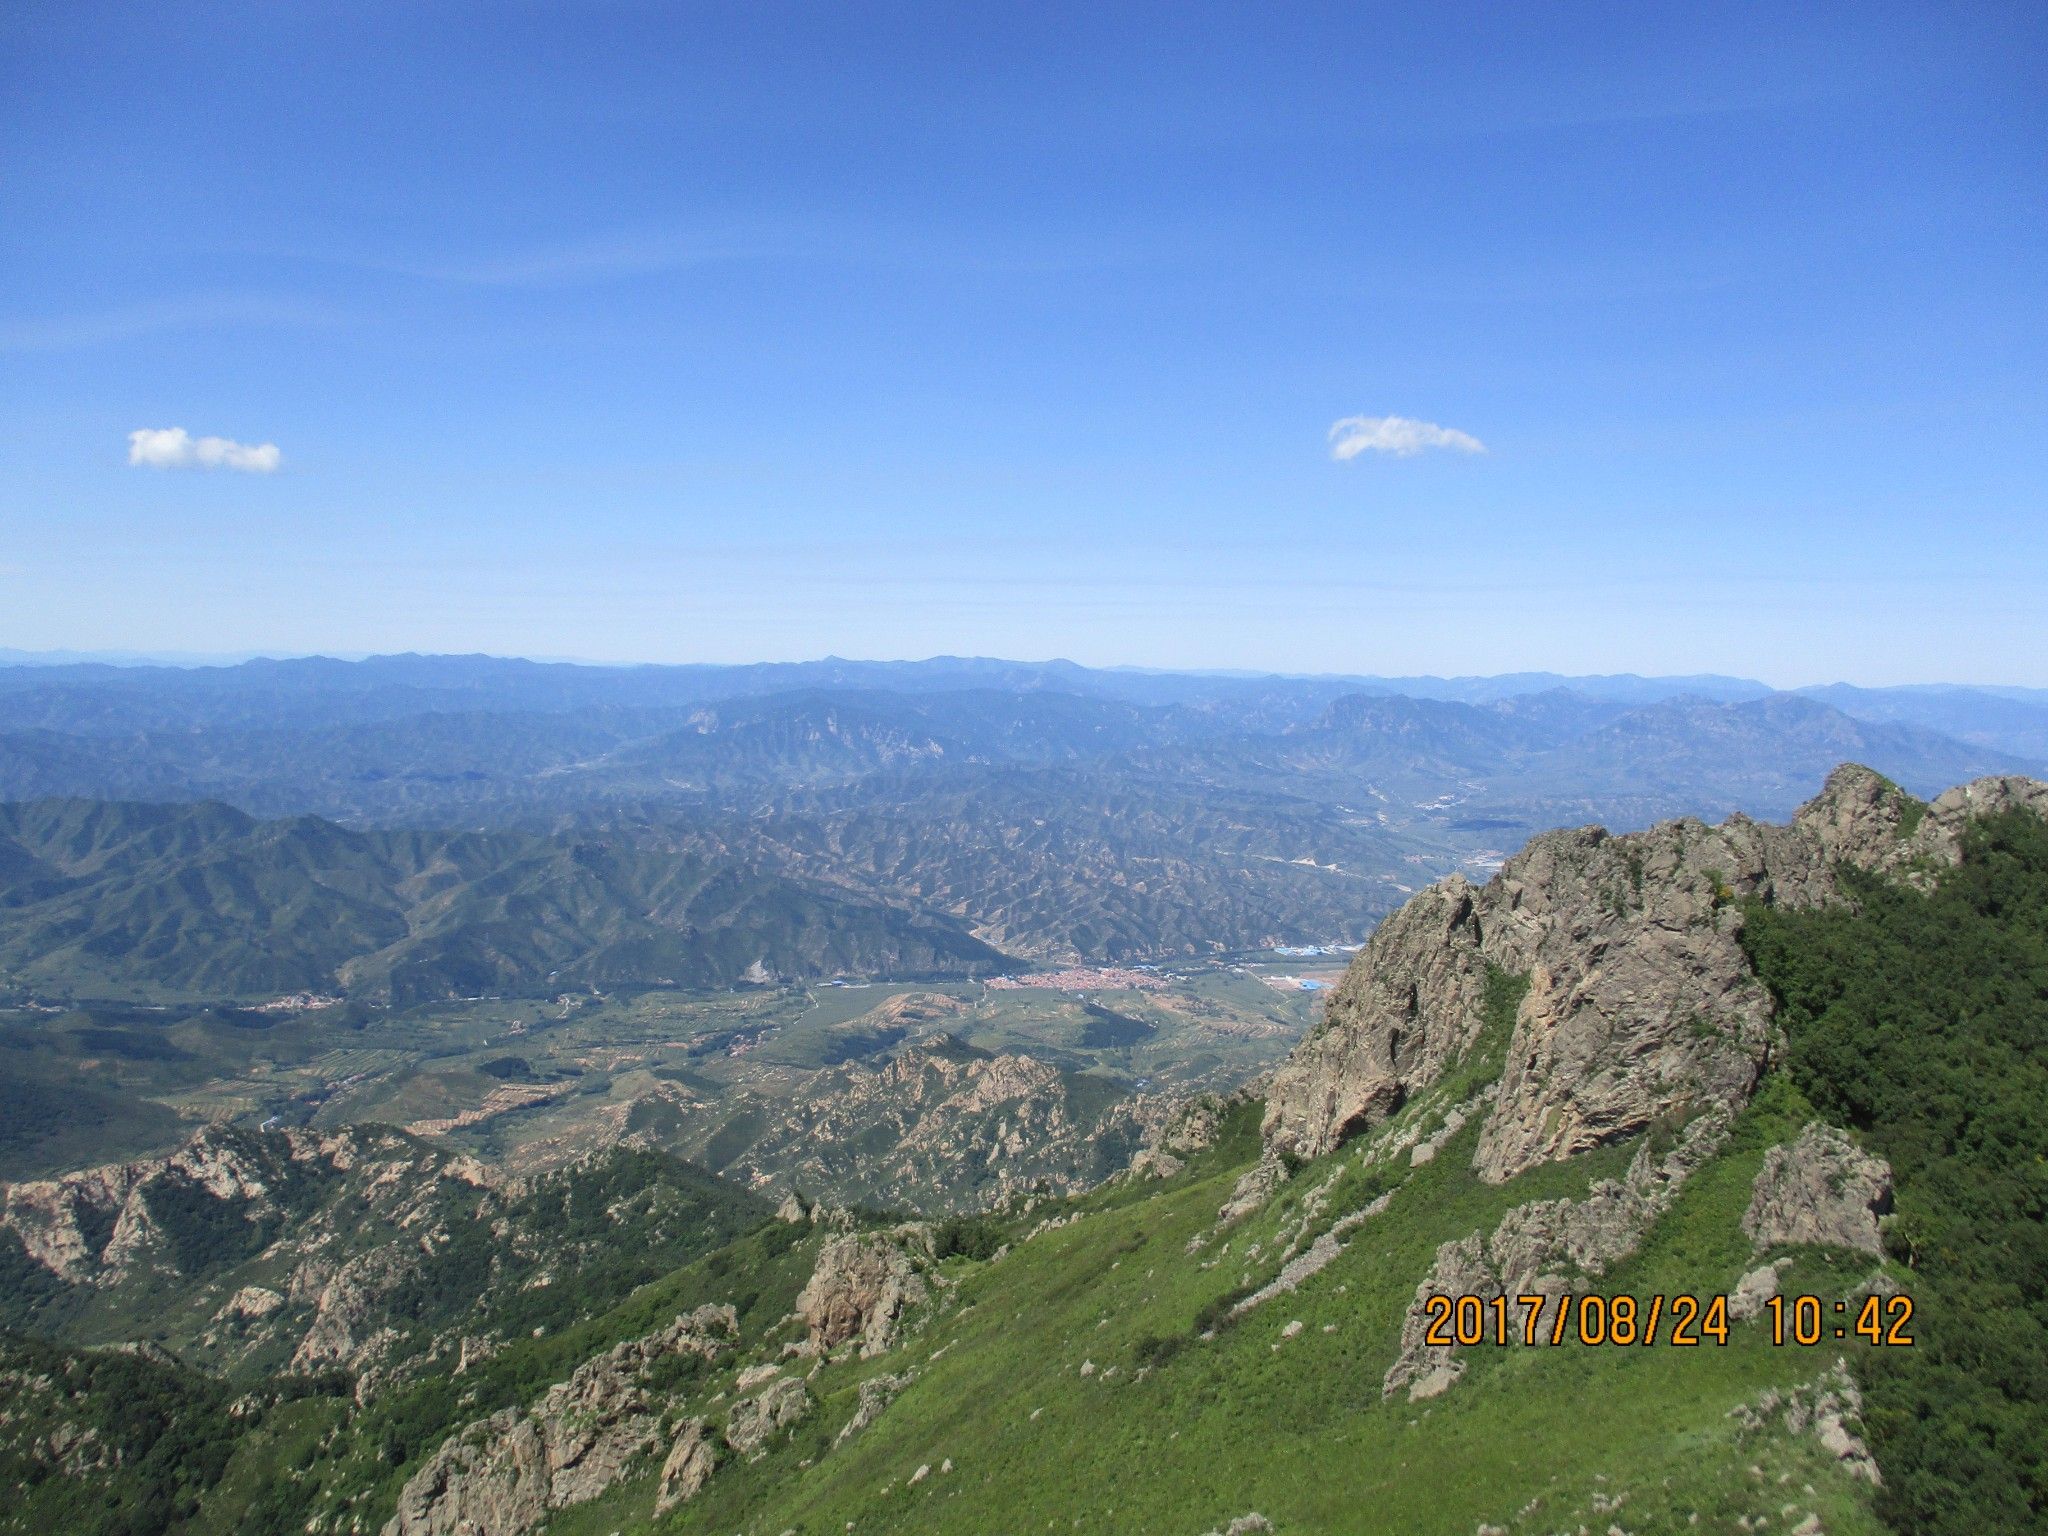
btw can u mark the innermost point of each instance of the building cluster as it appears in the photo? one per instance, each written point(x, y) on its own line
point(1141, 978)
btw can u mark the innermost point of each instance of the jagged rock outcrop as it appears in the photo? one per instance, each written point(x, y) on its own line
point(876, 1393)
point(503, 1475)
point(102, 1225)
point(1408, 1005)
point(862, 1284)
point(1640, 1005)
point(1254, 1187)
point(691, 1461)
point(940, 1124)
point(97, 1226)
point(249, 1303)
point(348, 1328)
point(1821, 1189)
point(1547, 1248)
point(66, 1225)
point(1830, 1407)
point(326, 1251)
point(1193, 1127)
point(77, 1451)
point(1189, 1128)
point(1754, 1291)
point(754, 1420)
point(295, 1206)
point(1153, 1163)
point(1861, 819)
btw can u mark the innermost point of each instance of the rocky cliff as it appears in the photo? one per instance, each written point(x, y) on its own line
point(506, 1474)
point(863, 1283)
point(1640, 1005)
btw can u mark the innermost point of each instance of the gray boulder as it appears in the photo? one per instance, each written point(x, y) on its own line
point(862, 1284)
point(754, 1420)
point(1821, 1189)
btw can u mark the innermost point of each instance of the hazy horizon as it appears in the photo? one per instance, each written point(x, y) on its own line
point(61, 656)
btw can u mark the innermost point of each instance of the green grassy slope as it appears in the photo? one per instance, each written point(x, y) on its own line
point(1170, 1431)
point(1089, 1380)
point(1091, 1376)
point(1295, 1427)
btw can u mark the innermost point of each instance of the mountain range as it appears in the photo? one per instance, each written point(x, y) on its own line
point(869, 818)
point(200, 899)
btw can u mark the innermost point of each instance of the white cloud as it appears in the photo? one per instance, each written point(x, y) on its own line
point(1402, 436)
point(175, 448)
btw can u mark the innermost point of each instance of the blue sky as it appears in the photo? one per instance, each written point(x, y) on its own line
point(667, 332)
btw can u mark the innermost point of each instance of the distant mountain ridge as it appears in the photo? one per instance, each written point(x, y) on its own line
point(111, 899)
point(366, 750)
point(1046, 809)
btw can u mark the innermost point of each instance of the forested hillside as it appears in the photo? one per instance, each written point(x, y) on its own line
point(112, 899)
point(1920, 1018)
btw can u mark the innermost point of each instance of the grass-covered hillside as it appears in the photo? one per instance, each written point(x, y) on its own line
point(1175, 1354)
point(1090, 1378)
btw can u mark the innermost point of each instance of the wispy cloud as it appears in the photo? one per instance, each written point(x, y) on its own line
point(1401, 436)
point(54, 333)
point(597, 259)
point(609, 256)
point(175, 448)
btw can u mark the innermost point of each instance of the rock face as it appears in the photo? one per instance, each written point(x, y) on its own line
point(249, 1303)
point(862, 1284)
point(1640, 1005)
point(99, 1226)
point(257, 1248)
point(1190, 1128)
point(1195, 1125)
point(1830, 1407)
point(691, 1461)
point(1547, 1248)
point(1409, 1004)
point(754, 1420)
point(1821, 1189)
point(505, 1474)
point(1754, 1291)
point(345, 1330)
point(1254, 1188)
